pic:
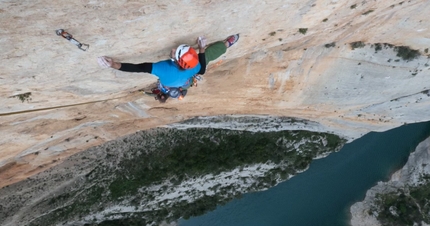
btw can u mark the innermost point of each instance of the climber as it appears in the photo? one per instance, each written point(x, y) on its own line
point(177, 74)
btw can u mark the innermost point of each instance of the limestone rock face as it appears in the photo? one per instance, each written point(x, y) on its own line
point(57, 101)
point(418, 164)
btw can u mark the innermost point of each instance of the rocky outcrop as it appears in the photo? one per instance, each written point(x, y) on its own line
point(401, 182)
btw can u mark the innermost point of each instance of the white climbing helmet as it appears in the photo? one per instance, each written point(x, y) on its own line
point(186, 56)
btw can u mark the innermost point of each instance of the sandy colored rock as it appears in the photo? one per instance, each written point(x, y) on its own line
point(272, 70)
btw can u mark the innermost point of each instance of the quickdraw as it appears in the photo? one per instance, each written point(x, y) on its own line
point(66, 35)
point(196, 78)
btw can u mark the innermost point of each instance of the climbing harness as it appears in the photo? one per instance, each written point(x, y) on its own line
point(172, 91)
point(66, 35)
point(162, 93)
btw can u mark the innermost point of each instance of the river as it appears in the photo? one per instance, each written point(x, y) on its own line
point(322, 195)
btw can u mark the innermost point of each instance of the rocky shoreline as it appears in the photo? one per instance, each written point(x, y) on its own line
point(411, 175)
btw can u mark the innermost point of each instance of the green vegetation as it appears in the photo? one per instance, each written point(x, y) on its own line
point(122, 222)
point(273, 33)
point(356, 45)
point(196, 154)
point(378, 47)
point(388, 45)
point(405, 206)
point(406, 53)
point(329, 45)
point(303, 30)
point(325, 20)
point(23, 97)
point(168, 157)
point(353, 6)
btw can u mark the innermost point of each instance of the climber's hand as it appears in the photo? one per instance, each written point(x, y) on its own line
point(201, 41)
point(105, 62)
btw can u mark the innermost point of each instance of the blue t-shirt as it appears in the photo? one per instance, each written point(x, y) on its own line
point(171, 75)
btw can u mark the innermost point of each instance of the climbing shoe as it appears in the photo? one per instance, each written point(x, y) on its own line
point(231, 40)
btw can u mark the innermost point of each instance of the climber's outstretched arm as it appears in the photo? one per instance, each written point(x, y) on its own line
point(143, 67)
point(109, 62)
